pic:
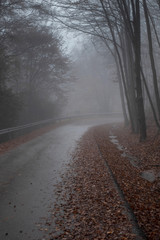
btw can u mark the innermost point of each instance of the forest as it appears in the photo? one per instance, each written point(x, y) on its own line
point(130, 31)
point(80, 119)
point(34, 65)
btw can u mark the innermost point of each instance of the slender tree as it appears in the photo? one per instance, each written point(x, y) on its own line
point(155, 80)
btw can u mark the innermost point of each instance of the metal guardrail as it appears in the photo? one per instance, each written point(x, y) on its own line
point(29, 125)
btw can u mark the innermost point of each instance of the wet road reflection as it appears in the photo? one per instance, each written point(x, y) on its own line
point(28, 175)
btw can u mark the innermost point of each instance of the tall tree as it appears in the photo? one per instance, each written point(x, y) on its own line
point(105, 18)
point(34, 64)
point(155, 80)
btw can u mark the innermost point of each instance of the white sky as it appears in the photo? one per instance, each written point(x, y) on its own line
point(72, 41)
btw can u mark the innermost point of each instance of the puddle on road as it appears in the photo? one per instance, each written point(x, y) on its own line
point(148, 175)
point(133, 160)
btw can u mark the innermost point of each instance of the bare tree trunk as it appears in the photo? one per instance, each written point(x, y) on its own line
point(128, 66)
point(119, 60)
point(155, 82)
point(120, 81)
point(131, 77)
point(150, 100)
point(133, 27)
point(137, 50)
point(126, 121)
point(154, 28)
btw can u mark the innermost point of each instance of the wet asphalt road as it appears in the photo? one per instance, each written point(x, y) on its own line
point(28, 175)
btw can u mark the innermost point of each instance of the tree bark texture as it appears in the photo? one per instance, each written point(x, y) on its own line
point(154, 73)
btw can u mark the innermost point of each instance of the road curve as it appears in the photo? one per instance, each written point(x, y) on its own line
point(28, 175)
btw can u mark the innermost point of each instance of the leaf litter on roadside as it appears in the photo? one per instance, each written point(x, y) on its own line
point(88, 205)
point(142, 195)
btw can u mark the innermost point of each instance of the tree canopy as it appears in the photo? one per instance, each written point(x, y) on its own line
point(128, 29)
point(33, 64)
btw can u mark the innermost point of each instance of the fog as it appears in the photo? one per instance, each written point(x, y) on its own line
point(95, 88)
point(48, 70)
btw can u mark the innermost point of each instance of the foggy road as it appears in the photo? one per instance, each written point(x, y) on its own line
point(28, 174)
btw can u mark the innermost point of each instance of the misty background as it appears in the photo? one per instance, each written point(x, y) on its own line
point(95, 89)
point(62, 58)
point(47, 72)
